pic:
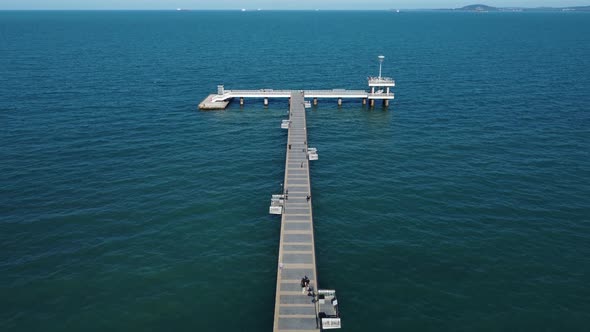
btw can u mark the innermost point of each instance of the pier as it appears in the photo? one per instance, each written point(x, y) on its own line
point(294, 308)
point(223, 97)
point(379, 90)
point(300, 304)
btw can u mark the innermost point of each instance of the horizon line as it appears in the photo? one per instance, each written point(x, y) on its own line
point(262, 9)
point(255, 9)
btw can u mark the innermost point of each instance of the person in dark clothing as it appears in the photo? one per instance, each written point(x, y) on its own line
point(304, 285)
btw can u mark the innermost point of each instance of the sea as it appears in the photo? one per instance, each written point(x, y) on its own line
point(464, 206)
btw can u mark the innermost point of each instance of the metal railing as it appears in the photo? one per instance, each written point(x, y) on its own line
point(381, 80)
point(335, 93)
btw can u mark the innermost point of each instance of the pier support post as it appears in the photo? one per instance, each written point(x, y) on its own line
point(241, 101)
point(265, 101)
point(372, 103)
point(315, 102)
point(387, 90)
point(364, 101)
point(339, 101)
point(386, 102)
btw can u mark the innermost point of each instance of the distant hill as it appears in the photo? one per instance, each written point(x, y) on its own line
point(486, 8)
point(478, 8)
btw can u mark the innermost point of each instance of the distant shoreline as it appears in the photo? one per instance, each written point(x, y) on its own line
point(486, 8)
point(401, 10)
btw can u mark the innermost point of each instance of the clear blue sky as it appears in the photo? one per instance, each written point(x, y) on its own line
point(274, 4)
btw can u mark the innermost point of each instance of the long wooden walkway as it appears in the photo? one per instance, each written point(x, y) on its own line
point(294, 309)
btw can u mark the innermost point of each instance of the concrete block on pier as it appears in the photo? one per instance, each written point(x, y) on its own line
point(209, 104)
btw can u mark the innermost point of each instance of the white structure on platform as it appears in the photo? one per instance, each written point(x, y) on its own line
point(328, 309)
point(276, 204)
point(312, 154)
point(380, 86)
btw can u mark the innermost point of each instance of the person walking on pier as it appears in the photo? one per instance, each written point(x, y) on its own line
point(304, 285)
point(308, 197)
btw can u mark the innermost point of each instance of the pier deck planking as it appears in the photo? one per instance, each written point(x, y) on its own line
point(294, 309)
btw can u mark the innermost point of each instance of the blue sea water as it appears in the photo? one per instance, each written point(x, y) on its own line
point(463, 207)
